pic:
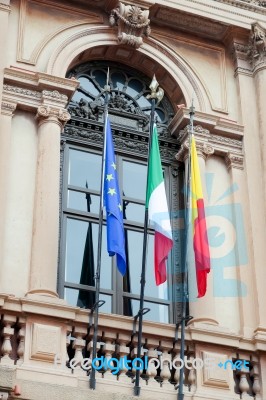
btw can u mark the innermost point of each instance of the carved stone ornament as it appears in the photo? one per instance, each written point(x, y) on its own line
point(251, 5)
point(54, 95)
point(56, 114)
point(260, 3)
point(257, 45)
point(8, 108)
point(133, 23)
point(8, 89)
point(234, 161)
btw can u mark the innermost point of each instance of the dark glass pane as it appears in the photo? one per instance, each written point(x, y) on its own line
point(158, 312)
point(134, 180)
point(134, 87)
point(84, 169)
point(134, 212)
point(83, 202)
point(160, 115)
point(143, 102)
point(100, 77)
point(118, 80)
point(80, 298)
point(88, 86)
point(134, 248)
point(107, 307)
point(79, 95)
point(81, 254)
point(73, 297)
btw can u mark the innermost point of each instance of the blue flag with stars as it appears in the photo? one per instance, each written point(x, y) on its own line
point(114, 209)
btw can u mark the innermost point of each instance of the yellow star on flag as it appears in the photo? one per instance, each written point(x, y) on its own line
point(120, 207)
point(111, 191)
point(109, 177)
point(113, 165)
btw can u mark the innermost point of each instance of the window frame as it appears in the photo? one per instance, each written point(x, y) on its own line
point(117, 293)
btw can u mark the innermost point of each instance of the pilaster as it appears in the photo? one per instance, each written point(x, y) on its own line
point(209, 144)
point(43, 274)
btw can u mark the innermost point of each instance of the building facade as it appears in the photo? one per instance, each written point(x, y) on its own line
point(55, 60)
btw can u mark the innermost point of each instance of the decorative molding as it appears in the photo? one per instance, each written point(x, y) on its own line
point(133, 23)
point(251, 5)
point(5, 7)
point(8, 108)
point(21, 91)
point(54, 95)
point(129, 143)
point(187, 22)
point(54, 98)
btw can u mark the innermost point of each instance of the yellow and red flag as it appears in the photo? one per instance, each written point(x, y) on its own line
point(200, 238)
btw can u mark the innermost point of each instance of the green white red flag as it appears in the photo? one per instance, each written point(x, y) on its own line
point(156, 203)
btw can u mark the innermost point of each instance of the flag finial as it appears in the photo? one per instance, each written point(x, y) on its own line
point(156, 91)
point(107, 86)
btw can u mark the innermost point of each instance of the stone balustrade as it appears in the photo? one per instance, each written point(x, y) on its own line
point(61, 346)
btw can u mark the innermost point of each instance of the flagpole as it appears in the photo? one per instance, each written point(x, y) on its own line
point(99, 303)
point(185, 296)
point(155, 95)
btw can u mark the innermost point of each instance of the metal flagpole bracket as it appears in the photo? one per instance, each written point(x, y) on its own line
point(178, 324)
point(99, 304)
point(142, 312)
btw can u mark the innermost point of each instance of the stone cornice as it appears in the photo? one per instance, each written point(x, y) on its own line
point(216, 125)
point(30, 90)
point(214, 141)
point(40, 81)
point(251, 5)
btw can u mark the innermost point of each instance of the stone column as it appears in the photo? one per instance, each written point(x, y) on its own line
point(203, 309)
point(46, 213)
point(235, 165)
point(7, 113)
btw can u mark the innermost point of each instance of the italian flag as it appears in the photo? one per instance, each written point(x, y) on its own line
point(200, 238)
point(158, 211)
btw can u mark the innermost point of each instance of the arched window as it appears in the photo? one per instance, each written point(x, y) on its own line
point(82, 143)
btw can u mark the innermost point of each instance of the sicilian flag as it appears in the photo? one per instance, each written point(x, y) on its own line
point(158, 211)
point(200, 238)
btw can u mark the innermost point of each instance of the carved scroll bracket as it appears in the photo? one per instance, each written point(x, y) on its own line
point(257, 46)
point(8, 108)
point(234, 161)
point(133, 23)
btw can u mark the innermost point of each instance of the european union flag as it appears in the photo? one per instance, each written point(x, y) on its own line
point(114, 209)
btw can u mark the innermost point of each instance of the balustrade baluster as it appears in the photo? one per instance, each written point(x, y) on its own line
point(8, 331)
point(79, 345)
point(166, 362)
point(123, 340)
point(21, 337)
